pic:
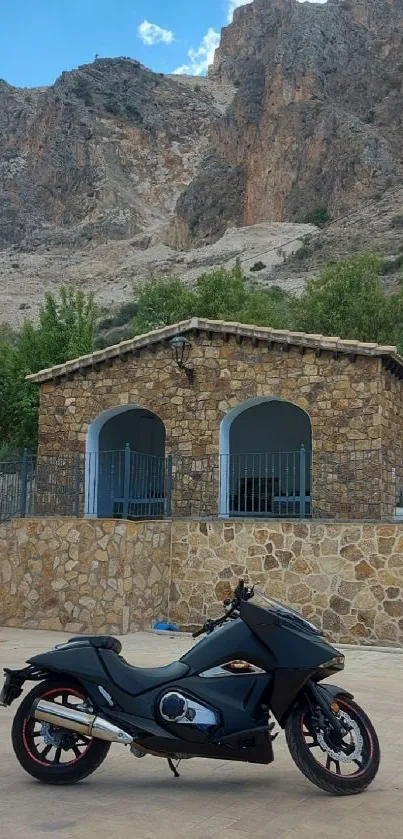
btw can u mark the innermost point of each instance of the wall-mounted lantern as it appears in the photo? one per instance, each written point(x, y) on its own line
point(180, 351)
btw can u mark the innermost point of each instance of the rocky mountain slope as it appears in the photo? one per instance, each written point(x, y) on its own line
point(316, 119)
point(116, 173)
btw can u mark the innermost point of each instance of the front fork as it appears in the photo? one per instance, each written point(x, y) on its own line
point(319, 697)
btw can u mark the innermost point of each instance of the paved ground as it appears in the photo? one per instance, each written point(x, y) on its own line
point(140, 798)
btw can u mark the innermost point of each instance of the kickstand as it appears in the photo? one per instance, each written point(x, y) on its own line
point(174, 768)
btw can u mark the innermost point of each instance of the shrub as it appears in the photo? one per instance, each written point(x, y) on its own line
point(390, 266)
point(318, 216)
point(82, 90)
point(397, 221)
point(133, 112)
point(113, 336)
point(112, 107)
point(303, 252)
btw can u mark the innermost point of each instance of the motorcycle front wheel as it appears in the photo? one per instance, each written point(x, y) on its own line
point(340, 768)
point(51, 754)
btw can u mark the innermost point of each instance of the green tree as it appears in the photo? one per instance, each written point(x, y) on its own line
point(65, 329)
point(347, 300)
point(162, 302)
point(272, 307)
point(221, 295)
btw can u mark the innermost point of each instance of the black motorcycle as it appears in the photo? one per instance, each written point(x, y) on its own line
point(255, 665)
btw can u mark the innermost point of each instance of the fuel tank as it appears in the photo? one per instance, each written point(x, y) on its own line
point(234, 640)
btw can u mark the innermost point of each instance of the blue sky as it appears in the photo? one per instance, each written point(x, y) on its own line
point(41, 38)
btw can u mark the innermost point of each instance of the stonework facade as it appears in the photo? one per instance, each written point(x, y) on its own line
point(115, 577)
point(83, 576)
point(355, 407)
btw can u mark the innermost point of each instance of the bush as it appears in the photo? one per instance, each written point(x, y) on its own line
point(347, 299)
point(113, 336)
point(120, 317)
point(303, 252)
point(82, 89)
point(112, 107)
point(219, 295)
point(133, 112)
point(319, 216)
point(397, 221)
point(390, 266)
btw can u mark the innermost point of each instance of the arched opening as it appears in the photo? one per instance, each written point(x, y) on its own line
point(265, 460)
point(125, 464)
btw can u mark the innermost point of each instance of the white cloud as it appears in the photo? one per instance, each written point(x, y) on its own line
point(152, 34)
point(232, 5)
point(201, 58)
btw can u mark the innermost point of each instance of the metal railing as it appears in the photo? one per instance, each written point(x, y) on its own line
point(272, 485)
point(35, 486)
point(358, 484)
point(127, 485)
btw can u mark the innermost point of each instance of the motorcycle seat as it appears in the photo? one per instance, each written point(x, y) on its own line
point(135, 680)
point(100, 642)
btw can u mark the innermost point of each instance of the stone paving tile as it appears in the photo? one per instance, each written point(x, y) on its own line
point(129, 798)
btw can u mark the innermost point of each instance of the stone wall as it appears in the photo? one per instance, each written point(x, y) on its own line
point(342, 397)
point(83, 576)
point(101, 576)
point(346, 578)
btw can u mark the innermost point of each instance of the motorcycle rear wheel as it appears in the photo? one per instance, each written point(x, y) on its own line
point(325, 764)
point(50, 754)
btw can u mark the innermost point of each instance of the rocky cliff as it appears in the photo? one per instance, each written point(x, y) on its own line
point(112, 173)
point(316, 119)
point(102, 154)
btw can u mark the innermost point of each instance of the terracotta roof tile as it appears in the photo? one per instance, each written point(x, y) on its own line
point(280, 336)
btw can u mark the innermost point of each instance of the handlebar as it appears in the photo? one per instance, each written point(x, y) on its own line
point(241, 593)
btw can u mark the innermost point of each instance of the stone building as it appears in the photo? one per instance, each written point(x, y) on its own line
point(208, 418)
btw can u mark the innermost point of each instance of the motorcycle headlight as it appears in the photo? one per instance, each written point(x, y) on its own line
point(336, 663)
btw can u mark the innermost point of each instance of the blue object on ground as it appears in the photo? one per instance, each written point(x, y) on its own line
point(166, 627)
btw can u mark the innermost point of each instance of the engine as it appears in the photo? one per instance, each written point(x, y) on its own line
point(175, 707)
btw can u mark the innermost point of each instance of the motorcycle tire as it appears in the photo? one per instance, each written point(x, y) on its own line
point(332, 775)
point(44, 750)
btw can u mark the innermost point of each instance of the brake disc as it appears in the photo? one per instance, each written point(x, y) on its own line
point(340, 756)
point(51, 735)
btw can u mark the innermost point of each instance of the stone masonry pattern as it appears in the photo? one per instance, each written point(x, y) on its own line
point(347, 401)
point(116, 577)
point(83, 576)
point(345, 578)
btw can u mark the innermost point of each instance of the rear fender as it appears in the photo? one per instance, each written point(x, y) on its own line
point(15, 680)
point(82, 663)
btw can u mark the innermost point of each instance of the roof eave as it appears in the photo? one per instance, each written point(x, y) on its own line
point(318, 343)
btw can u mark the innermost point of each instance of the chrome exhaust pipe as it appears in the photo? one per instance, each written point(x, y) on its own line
point(74, 720)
